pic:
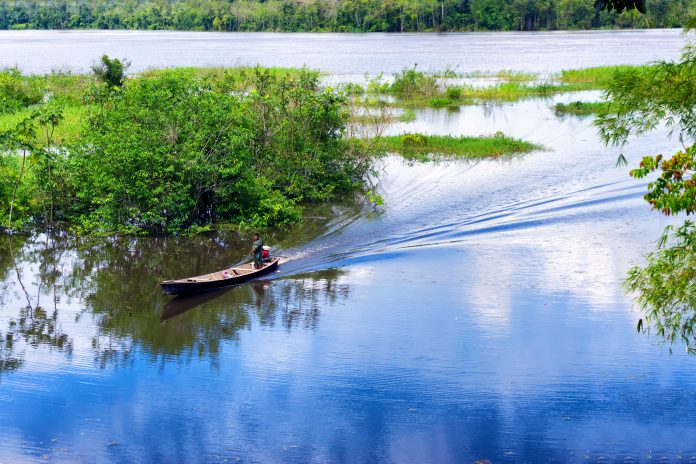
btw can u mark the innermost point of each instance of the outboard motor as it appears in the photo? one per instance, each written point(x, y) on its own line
point(266, 253)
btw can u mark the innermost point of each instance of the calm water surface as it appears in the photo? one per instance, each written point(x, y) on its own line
point(353, 54)
point(477, 315)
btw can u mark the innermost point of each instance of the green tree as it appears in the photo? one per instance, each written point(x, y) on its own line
point(174, 151)
point(111, 71)
point(12, 187)
point(641, 101)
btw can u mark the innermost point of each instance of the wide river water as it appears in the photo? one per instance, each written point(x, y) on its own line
point(478, 314)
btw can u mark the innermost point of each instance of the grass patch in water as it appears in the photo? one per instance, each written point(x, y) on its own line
point(420, 146)
point(516, 76)
point(467, 94)
point(68, 130)
point(594, 78)
point(415, 89)
point(582, 108)
point(220, 72)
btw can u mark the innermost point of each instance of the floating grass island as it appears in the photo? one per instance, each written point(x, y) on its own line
point(582, 108)
point(484, 146)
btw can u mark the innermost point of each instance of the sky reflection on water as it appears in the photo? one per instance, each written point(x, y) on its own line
point(478, 315)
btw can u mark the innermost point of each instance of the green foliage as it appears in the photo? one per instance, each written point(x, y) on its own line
point(172, 151)
point(646, 97)
point(596, 77)
point(582, 108)
point(339, 15)
point(439, 102)
point(642, 99)
point(69, 129)
point(111, 71)
point(374, 198)
point(453, 92)
point(410, 141)
point(411, 82)
point(620, 5)
point(16, 92)
point(674, 190)
point(177, 151)
point(351, 88)
point(17, 191)
point(418, 145)
point(666, 286)
point(515, 76)
point(10, 167)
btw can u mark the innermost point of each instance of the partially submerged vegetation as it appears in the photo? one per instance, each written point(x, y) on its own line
point(420, 145)
point(181, 150)
point(173, 150)
point(412, 88)
point(580, 108)
point(598, 77)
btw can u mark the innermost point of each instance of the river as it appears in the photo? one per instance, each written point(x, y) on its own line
point(341, 54)
point(478, 314)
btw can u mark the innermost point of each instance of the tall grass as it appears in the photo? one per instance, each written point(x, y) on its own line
point(594, 78)
point(418, 145)
point(68, 130)
point(582, 108)
point(410, 82)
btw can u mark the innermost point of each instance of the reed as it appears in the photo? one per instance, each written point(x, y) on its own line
point(488, 146)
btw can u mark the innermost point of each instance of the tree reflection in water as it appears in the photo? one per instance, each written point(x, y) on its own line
point(34, 324)
point(109, 288)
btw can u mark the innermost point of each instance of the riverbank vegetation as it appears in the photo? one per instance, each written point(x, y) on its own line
point(412, 88)
point(186, 149)
point(643, 100)
point(420, 146)
point(172, 151)
point(337, 15)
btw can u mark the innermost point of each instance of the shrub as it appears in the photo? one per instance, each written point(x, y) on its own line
point(111, 71)
point(453, 93)
point(414, 140)
point(170, 152)
point(17, 91)
point(412, 82)
point(439, 102)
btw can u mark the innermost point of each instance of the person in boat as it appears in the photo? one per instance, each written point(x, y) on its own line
point(257, 251)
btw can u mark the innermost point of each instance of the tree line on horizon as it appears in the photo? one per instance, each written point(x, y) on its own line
point(336, 15)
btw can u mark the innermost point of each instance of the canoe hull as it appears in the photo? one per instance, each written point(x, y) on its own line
point(185, 287)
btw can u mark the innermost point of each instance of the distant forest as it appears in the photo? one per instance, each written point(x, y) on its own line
point(335, 15)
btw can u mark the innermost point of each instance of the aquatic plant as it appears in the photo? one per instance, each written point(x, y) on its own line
point(453, 92)
point(439, 102)
point(595, 77)
point(17, 92)
point(411, 82)
point(581, 108)
point(493, 146)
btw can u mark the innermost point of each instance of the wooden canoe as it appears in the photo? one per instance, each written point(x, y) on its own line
point(238, 275)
